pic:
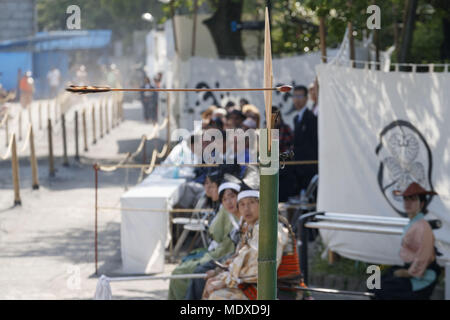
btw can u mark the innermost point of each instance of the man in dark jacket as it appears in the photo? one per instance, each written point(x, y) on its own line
point(305, 139)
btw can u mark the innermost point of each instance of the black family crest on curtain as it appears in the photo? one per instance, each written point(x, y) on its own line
point(405, 157)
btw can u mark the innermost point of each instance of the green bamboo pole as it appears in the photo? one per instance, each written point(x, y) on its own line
point(268, 230)
point(268, 200)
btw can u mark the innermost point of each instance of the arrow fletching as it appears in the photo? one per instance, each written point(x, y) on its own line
point(87, 89)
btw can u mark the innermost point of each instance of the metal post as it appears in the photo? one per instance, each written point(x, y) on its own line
point(33, 160)
point(303, 246)
point(15, 172)
point(304, 251)
point(94, 140)
point(77, 153)
point(83, 114)
point(51, 166)
point(64, 136)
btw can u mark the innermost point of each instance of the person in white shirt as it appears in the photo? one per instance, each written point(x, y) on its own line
point(54, 80)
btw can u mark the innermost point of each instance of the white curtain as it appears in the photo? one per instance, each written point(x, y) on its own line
point(379, 132)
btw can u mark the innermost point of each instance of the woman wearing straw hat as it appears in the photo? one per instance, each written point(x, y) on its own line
point(419, 275)
point(226, 220)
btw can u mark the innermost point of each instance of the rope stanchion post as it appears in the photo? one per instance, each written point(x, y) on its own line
point(106, 117)
point(96, 218)
point(15, 172)
point(101, 120)
point(83, 115)
point(64, 137)
point(77, 151)
point(33, 160)
point(94, 139)
point(51, 165)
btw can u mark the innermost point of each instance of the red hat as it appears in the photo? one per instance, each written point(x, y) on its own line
point(413, 190)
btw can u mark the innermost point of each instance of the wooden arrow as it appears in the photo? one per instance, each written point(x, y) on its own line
point(94, 89)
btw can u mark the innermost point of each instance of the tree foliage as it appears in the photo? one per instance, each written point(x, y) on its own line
point(294, 22)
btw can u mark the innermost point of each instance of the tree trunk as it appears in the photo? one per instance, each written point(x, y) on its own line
point(407, 34)
point(323, 39)
point(228, 43)
point(445, 49)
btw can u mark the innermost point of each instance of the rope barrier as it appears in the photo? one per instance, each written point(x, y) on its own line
point(131, 156)
point(27, 140)
point(198, 165)
point(158, 210)
point(155, 155)
point(5, 118)
point(8, 150)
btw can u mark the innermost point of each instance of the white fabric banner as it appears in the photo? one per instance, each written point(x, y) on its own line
point(378, 132)
point(219, 73)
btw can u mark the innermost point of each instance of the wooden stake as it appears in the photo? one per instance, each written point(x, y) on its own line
point(84, 131)
point(55, 111)
point(40, 116)
point(48, 110)
point(144, 153)
point(101, 120)
point(33, 161)
point(77, 153)
point(106, 117)
point(51, 165)
point(20, 125)
point(113, 115)
point(64, 136)
point(15, 172)
point(94, 139)
point(7, 130)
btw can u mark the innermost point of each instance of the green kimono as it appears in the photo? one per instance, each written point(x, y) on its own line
point(219, 229)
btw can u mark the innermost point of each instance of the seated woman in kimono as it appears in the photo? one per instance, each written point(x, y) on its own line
point(419, 275)
point(222, 224)
point(238, 282)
